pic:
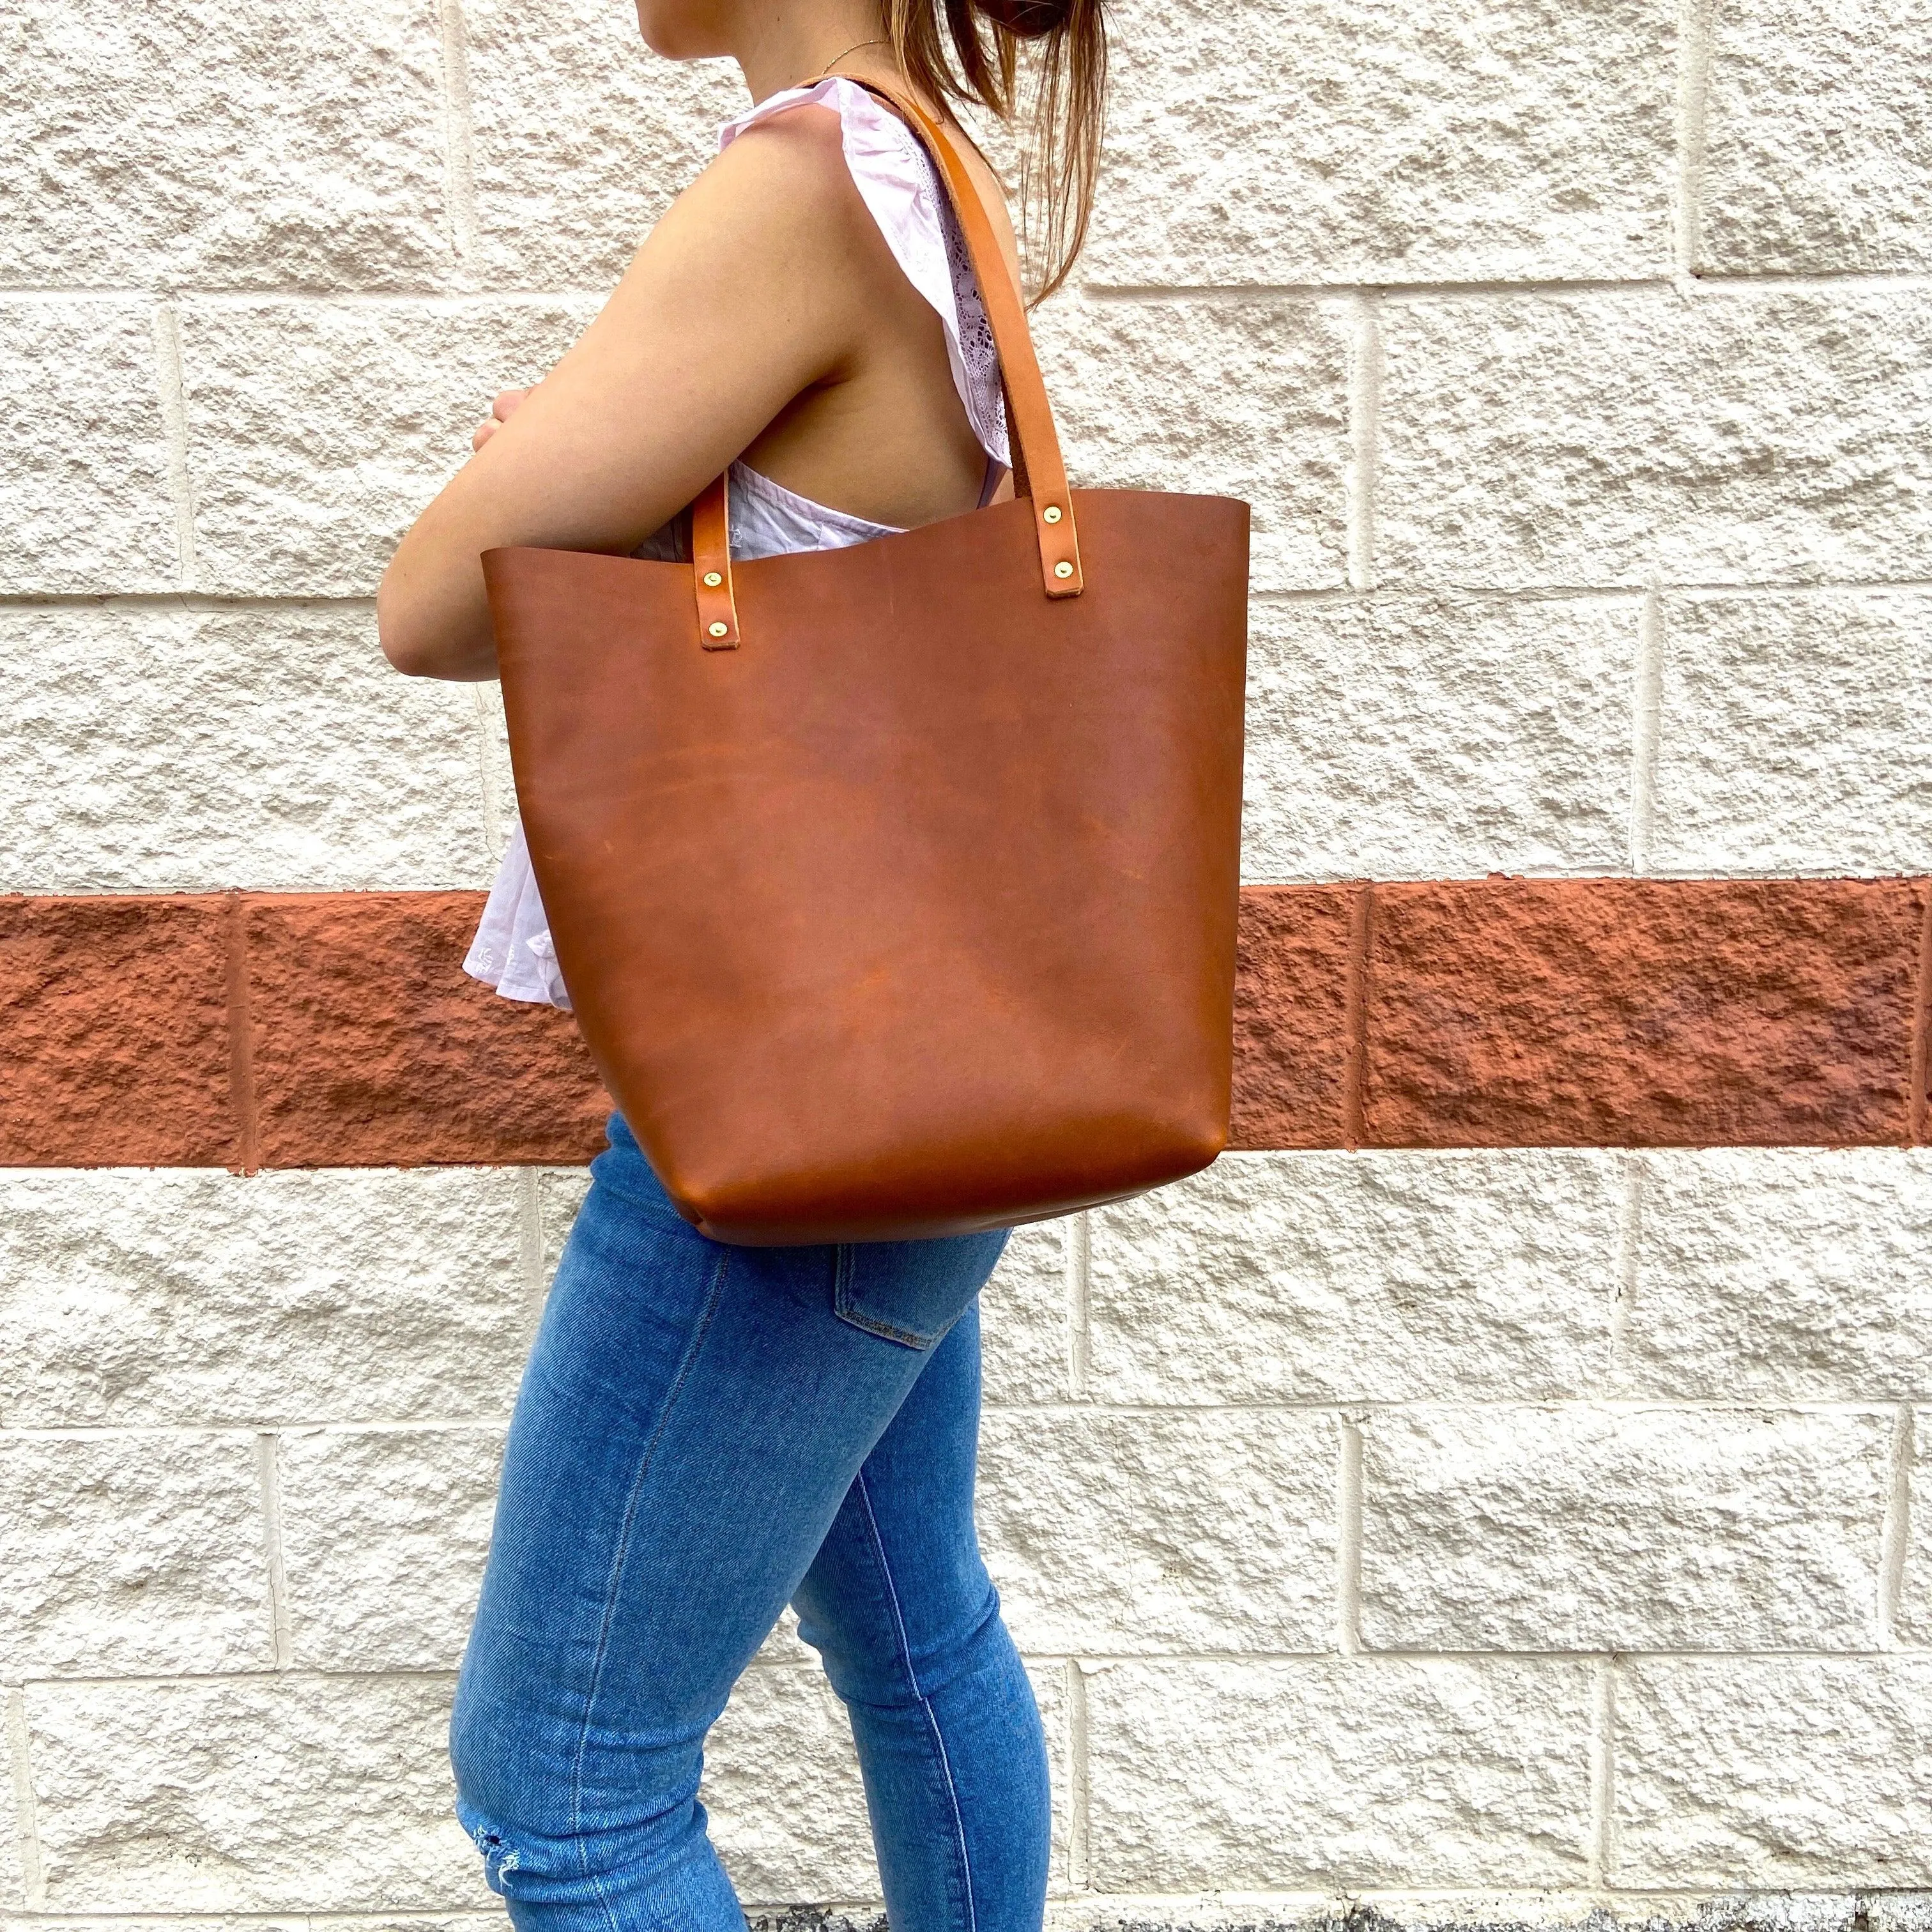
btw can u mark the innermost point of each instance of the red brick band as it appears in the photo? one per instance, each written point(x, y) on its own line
point(336, 1029)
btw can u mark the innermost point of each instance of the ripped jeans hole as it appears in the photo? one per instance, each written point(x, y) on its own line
point(499, 1860)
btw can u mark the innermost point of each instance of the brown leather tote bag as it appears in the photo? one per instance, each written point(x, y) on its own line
point(894, 886)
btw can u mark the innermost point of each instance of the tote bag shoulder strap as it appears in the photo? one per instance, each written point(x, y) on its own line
point(1039, 473)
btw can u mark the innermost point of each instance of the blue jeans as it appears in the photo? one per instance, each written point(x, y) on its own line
point(704, 1432)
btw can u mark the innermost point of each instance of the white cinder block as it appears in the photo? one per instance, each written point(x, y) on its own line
point(581, 137)
point(12, 1875)
point(318, 430)
point(1507, 1528)
point(134, 1297)
point(1420, 737)
point(1254, 1776)
point(1246, 399)
point(273, 750)
point(1773, 1772)
point(1770, 1274)
point(1023, 1316)
point(132, 1554)
point(560, 1194)
point(1730, 437)
point(1913, 1621)
point(1383, 1277)
point(384, 1533)
point(1817, 153)
point(189, 141)
point(1277, 143)
point(85, 505)
point(1214, 1531)
point(1794, 734)
point(781, 1786)
point(201, 1796)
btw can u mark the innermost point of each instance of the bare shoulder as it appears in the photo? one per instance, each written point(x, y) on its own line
point(783, 181)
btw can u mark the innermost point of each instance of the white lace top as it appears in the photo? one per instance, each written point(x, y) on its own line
point(512, 950)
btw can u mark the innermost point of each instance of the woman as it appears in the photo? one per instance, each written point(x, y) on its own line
point(705, 1432)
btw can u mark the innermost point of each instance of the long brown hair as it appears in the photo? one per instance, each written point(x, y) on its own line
point(971, 50)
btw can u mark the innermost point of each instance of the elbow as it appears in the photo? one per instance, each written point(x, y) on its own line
point(409, 639)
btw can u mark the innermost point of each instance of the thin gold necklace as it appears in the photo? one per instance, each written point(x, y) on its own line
point(837, 58)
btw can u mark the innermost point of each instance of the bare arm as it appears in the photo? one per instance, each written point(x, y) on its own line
point(734, 305)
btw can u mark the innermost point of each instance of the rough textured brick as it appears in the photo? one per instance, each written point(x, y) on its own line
point(13, 1877)
point(1507, 1528)
point(114, 1016)
point(384, 1532)
point(85, 500)
point(1773, 1772)
point(1525, 1012)
point(582, 136)
point(781, 1785)
point(1138, 1532)
point(1913, 1620)
point(150, 750)
point(1023, 1316)
point(1816, 151)
point(1380, 1277)
point(206, 1796)
point(317, 431)
point(1782, 1275)
point(203, 1298)
point(1793, 734)
point(1288, 1775)
point(1406, 737)
point(1771, 436)
point(1281, 143)
point(1245, 399)
point(132, 1554)
point(1291, 1016)
point(560, 1193)
point(193, 141)
point(372, 1046)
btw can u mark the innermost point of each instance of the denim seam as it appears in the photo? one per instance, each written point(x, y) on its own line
point(617, 1559)
point(925, 1701)
point(844, 1305)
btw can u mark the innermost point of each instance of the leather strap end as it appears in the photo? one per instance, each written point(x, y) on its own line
point(711, 566)
point(1060, 569)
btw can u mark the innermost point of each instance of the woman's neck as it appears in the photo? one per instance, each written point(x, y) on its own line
point(789, 46)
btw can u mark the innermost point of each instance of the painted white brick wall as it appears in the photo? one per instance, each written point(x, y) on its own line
point(1476, 1539)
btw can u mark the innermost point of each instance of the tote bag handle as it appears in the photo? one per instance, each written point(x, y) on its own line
point(1038, 473)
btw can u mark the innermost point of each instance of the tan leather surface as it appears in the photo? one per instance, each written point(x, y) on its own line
point(711, 565)
point(906, 905)
point(916, 914)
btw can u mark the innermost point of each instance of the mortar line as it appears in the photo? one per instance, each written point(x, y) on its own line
point(1919, 1099)
point(281, 1645)
point(1600, 1852)
point(1355, 1016)
point(241, 1035)
point(1349, 1538)
point(459, 166)
point(1365, 386)
point(1895, 1532)
point(173, 384)
point(1079, 1827)
point(530, 1242)
point(1695, 23)
point(1629, 1243)
point(1409, 590)
point(1078, 1265)
point(26, 1820)
point(1646, 730)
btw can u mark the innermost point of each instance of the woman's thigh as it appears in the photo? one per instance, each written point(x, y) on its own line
point(691, 1420)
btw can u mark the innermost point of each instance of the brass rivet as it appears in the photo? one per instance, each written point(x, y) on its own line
point(1050, 513)
point(720, 630)
point(1063, 570)
point(713, 579)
